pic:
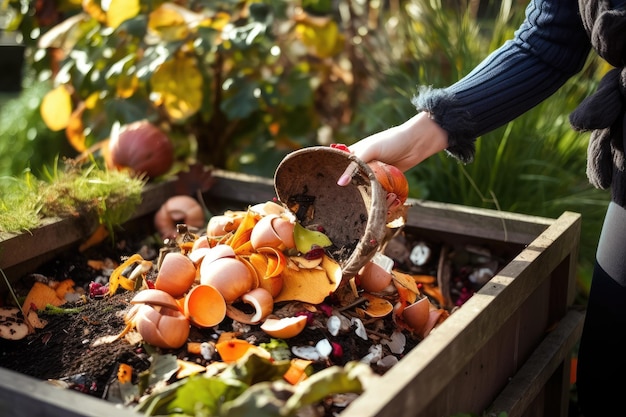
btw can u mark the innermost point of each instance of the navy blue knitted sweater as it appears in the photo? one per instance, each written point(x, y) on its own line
point(548, 48)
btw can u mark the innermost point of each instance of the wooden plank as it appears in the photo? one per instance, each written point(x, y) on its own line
point(406, 390)
point(23, 396)
point(527, 383)
point(475, 222)
point(56, 235)
point(237, 191)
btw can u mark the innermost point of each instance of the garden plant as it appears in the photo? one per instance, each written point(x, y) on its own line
point(238, 84)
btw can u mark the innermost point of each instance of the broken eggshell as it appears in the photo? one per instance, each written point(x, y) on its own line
point(178, 209)
point(262, 302)
point(273, 231)
point(284, 328)
point(422, 316)
point(221, 225)
point(159, 320)
point(205, 306)
point(230, 276)
point(376, 274)
point(176, 274)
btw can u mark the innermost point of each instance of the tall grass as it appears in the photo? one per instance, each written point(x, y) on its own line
point(533, 165)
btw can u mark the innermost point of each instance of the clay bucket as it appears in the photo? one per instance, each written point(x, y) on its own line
point(353, 216)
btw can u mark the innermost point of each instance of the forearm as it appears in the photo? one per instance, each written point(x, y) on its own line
point(548, 49)
point(405, 145)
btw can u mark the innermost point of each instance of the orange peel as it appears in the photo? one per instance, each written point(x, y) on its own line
point(297, 371)
point(235, 349)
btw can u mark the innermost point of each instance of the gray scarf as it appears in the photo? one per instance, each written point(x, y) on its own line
point(603, 112)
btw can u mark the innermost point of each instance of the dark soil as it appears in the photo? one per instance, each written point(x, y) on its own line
point(63, 351)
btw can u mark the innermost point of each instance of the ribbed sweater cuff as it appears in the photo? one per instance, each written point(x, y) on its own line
point(450, 117)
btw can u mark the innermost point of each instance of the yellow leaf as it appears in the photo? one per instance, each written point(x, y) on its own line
point(121, 10)
point(56, 108)
point(168, 23)
point(218, 21)
point(117, 279)
point(322, 40)
point(310, 285)
point(178, 83)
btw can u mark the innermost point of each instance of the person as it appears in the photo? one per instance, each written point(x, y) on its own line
point(550, 46)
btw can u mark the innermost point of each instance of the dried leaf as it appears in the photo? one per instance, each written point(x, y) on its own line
point(310, 285)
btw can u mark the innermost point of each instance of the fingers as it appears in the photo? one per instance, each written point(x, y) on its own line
point(346, 177)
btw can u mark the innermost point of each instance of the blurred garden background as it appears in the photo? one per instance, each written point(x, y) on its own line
point(239, 84)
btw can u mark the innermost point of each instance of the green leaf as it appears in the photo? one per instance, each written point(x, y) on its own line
point(204, 396)
point(241, 101)
point(256, 369)
point(299, 92)
point(333, 380)
point(261, 400)
point(135, 27)
point(163, 367)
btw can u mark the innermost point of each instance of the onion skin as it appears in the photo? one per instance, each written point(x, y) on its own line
point(141, 147)
point(391, 179)
point(395, 183)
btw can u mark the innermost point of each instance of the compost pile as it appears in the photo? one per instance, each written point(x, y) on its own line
point(86, 344)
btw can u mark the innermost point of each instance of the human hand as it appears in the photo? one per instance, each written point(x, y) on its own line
point(402, 146)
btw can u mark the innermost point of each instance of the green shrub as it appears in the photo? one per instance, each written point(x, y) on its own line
point(262, 78)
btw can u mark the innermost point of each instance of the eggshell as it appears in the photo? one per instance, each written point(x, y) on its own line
point(205, 306)
point(376, 274)
point(176, 274)
point(231, 277)
point(262, 302)
point(263, 233)
point(166, 328)
point(284, 328)
point(155, 297)
point(284, 229)
point(417, 314)
point(223, 224)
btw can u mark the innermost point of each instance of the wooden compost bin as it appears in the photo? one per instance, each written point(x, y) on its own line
point(507, 349)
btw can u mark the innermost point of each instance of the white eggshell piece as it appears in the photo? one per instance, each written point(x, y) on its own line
point(306, 352)
point(360, 328)
point(375, 354)
point(387, 362)
point(397, 342)
point(324, 348)
point(333, 324)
